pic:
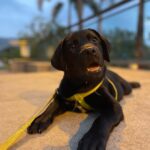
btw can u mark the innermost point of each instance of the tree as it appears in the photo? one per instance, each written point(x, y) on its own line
point(96, 7)
point(57, 8)
point(79, 8)
point(77, 3)
point(56, 11)
point(42, 37)
point(122, 44)
point(139, 35)
point(69, 14)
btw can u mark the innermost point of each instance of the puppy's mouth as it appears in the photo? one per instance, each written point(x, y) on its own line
point(95, 67)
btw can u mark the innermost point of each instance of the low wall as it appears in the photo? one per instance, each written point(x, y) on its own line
point(143, 64)
point(19, 65)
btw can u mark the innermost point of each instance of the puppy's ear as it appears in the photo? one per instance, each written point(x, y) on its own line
point(105, 45)
point(57, 60)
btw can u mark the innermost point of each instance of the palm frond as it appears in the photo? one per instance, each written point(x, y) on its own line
point(40, 4)
point(93, 5)
point(56, 10)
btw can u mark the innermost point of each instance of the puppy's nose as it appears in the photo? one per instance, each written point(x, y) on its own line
point(93, 51)
point(90, 51)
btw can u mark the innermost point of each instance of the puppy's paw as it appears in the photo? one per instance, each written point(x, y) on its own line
point(38, 125)
point(91, 142)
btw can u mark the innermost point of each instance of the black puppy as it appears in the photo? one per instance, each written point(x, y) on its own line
point(86, 86)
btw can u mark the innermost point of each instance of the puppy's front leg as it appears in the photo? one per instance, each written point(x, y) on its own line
point(96, 138)
point(42, 122)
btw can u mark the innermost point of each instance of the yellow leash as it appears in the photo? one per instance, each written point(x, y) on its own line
point(22, 130)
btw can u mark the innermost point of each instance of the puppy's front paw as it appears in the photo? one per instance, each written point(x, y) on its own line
point(91, 142)
point(38, 125)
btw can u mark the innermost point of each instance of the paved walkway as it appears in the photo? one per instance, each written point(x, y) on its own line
point(1, 64)
point(22, 94)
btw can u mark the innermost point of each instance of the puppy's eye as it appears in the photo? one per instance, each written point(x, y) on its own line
point(73, 46)
point(94, 40)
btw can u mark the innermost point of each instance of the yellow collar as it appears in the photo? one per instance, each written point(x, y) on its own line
point(114, 87)
point(79, 97)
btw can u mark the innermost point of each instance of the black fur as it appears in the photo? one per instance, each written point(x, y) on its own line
point(73, 57)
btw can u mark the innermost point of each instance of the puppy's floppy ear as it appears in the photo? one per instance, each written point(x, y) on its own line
point(105, 45)
point(57, 60)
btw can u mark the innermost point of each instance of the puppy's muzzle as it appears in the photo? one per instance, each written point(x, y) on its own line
point(89, 48)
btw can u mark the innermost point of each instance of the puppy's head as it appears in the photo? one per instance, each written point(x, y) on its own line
point(81, 53)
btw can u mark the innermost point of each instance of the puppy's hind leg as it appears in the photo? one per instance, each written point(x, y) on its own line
point(128, 86)
point(135, 84)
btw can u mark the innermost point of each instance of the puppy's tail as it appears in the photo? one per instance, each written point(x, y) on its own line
point(135, 84)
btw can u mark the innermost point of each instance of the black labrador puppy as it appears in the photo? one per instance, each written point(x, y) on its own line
point(87, 86)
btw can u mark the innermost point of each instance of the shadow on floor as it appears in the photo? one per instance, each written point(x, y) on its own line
point(64, 125)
